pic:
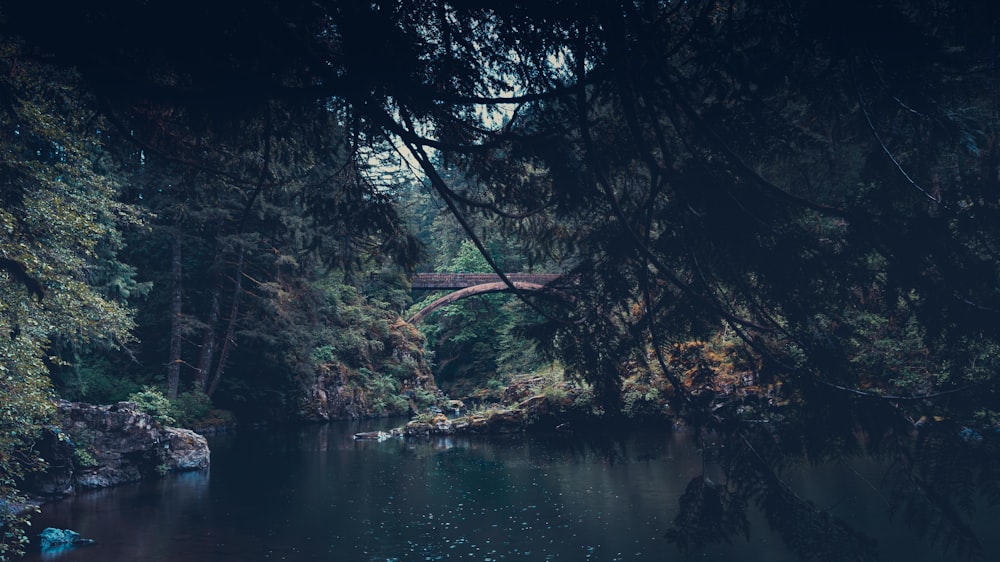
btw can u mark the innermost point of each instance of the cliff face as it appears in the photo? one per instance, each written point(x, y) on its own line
point(102, 446)
point(391, 378)
point(339, 395)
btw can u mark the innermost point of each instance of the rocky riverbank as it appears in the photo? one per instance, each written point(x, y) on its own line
point(545, 401)
point(527, 403)
point(100, 446)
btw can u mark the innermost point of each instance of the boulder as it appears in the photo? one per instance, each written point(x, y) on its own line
point(101, 446)
point(120, 443)
point(186, 450)
point(379, 436)
point(53, 541)
point(496, 421)
point(506, 421)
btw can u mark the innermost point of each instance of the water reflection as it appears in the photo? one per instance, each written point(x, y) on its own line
point(866, 493)
point(316, 494)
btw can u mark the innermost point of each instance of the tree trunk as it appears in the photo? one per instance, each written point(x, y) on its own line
point(209, 339)
point(229, 340)
point(174, 361)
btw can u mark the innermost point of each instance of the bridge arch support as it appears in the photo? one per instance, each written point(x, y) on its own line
point(480, 289)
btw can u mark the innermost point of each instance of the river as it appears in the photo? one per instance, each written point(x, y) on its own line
point(314, 493)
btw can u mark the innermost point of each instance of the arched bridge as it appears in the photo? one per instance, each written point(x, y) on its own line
point(470, 284)
point(456, 281)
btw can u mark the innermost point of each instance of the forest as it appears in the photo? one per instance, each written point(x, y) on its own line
point(786, 213)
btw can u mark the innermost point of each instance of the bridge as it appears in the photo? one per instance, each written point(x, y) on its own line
point(469, 284)
point(456, 281)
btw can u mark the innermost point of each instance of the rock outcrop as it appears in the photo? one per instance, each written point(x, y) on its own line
point(54, 541)
point(528, 403)
point(186, 450)
point(498, 421)
point(395, 380)
point(101, 446)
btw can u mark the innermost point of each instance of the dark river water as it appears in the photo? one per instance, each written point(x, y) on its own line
point(314, 493)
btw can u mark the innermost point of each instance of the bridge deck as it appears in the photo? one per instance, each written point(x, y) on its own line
point(455, 281)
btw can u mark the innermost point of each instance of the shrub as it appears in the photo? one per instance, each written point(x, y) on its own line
point(94, 380)
point(643, 400)
point(190, 407)
point(154, 403)
point(82, 458)
point(424, 398)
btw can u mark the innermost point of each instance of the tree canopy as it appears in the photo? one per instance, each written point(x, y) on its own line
point(803, 196)
point(818, 179)
point(60, 280)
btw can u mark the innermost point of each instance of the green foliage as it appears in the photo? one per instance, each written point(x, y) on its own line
point(93, 378)
point(556, 394)
point(886, 350)
point(83, 458)
point(989, 419)
point(189, 408)
point(796, 177)
point(424, 417)
point(82, 441)
point(382, 391)
point(424, 399)
point(643, 401)
point(389, 291)
point(59, 220)
point(707, 181)
point(321, 333)
point(467, 260)
point(154, 403)
point(323, 354)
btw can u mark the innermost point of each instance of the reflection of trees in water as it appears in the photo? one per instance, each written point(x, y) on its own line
point(933, 480)
point(936, 481)
point(712, 512)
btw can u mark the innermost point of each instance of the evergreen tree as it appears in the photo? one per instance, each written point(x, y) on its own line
point(812, 188)
point(60, 285)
